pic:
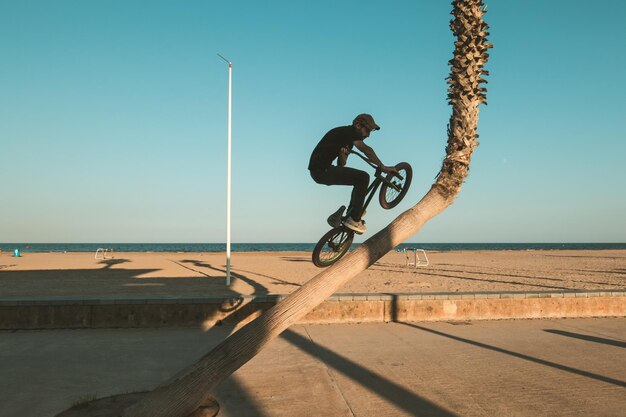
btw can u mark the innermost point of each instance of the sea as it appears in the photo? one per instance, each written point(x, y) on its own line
point(289, 247)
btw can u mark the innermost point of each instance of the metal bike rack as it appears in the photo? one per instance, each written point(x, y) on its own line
point(419, 257)
point(103, 253)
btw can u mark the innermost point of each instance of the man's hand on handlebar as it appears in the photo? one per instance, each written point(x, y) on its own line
point(389, 170)
point(375, 164)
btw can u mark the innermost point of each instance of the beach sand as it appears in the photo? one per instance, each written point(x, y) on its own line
point(79, 275)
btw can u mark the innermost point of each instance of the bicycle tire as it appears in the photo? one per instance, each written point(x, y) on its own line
point(332, 246)
point(389, 196)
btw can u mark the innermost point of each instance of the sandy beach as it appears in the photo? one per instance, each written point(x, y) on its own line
point(203, 274)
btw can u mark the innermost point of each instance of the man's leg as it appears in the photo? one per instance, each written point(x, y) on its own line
point(346, 176)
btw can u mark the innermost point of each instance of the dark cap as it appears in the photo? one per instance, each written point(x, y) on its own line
point(367, 120)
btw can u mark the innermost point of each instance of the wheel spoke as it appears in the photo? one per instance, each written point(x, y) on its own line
point(335, 247)
point(395, 187)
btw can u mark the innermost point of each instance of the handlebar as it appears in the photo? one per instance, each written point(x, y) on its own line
point(373, 165)
point(363, 157)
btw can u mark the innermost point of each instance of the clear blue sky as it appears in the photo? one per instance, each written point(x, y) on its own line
point(113, 117)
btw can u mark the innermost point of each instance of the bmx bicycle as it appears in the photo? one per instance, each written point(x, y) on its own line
point(336, 242)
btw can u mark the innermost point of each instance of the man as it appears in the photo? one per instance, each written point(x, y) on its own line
point(336, 144)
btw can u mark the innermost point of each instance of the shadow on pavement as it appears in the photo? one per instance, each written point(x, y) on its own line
point(108, 263)
point(587, 337)
point(389, 390)
point(522, 356)
point(232, 391)
point(259, 289)
point(466, 278)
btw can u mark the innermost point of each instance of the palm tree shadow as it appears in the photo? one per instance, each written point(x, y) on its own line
point(259, 289)
point(278, 280)
point(233, 390)
point(398, 395)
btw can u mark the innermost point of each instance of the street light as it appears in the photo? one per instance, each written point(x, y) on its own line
point(230, 85)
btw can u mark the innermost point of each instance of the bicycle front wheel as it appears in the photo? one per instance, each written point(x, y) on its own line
point(394, 188)
point(332, 246)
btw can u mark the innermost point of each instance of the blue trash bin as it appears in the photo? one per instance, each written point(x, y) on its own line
point(16, 253)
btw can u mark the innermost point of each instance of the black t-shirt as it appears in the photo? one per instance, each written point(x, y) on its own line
point(328, 148)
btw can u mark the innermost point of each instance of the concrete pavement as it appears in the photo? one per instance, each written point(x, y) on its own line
point(558, 367)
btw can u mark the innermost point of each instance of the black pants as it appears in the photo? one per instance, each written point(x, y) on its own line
point(360, 180)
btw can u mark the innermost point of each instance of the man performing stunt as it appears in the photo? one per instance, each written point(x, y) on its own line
point(336, 144)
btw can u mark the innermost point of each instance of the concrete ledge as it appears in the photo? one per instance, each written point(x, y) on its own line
point(57, 313)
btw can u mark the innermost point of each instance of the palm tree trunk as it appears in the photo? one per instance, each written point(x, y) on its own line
point(188, 390)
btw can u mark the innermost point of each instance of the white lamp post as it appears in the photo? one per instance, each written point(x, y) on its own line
point(230, 85)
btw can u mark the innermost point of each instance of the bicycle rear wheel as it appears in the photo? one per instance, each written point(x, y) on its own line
point(394, 189)
point(332, 246)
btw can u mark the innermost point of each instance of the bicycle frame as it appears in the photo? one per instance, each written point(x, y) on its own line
point(336, 242)
point(378, 180)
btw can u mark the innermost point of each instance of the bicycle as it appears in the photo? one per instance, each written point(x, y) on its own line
point(336, 242)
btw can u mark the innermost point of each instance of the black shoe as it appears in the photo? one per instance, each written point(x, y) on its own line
point(334, 220)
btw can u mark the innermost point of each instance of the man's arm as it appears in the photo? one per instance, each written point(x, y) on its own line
point(371, 155)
